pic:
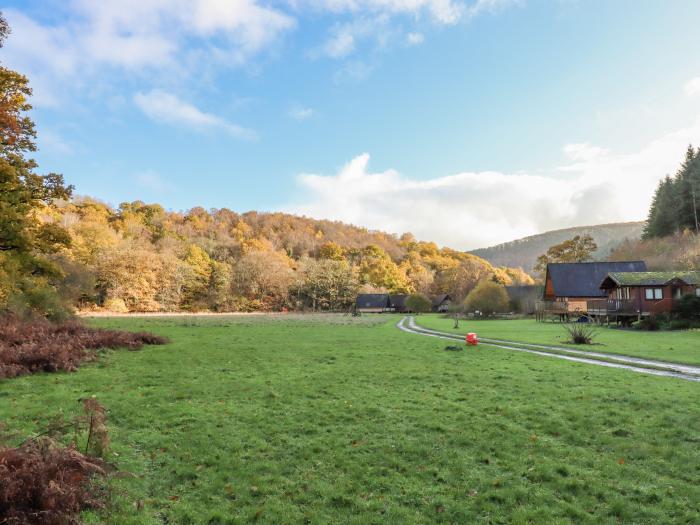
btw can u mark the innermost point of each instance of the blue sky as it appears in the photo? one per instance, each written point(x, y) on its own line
point(468, 122)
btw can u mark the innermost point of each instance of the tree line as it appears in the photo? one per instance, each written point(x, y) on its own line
point(675, 206)
point(141, 257)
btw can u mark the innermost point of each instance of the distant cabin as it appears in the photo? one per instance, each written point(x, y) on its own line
point(441, 303)
point(373, 303)
point(629, 294)
point(569, 286)
point(398, 303)
point(378, 303)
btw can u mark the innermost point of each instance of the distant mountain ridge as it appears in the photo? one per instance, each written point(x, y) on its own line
point(524, 252)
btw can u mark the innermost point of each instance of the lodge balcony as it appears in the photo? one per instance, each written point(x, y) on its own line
point(612, 307)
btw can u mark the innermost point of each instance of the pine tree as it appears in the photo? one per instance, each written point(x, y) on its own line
point(662, 219)
point(685, 205)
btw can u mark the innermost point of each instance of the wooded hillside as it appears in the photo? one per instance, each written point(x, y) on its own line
point(140, 257)
point(524, 252)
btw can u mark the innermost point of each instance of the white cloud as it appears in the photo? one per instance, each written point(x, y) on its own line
point(440, 11)
point(137, 36)
point(692, 87)
point(341, 44)
point(415, 38)
point(474, 209)
point(300, 113)
point(165, 107)
point(583, 151)
point(490, 6)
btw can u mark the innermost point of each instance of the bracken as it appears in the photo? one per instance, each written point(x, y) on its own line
point(41, 346)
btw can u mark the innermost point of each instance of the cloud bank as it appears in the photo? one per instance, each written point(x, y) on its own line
point(475, 209)
point(167, 108)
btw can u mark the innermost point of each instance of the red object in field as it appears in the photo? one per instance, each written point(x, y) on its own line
point(472, 339)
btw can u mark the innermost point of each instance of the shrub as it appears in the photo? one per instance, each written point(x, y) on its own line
point(688, 307)
point(488, 297)
point(651, 323)
point(41, 346)
point(418, 303)
point(580, 333)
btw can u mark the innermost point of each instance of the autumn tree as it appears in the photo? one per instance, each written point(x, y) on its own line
point(331, 250)
point(461, 278)
point(578, 249)
point(487, 297)
point(264, 277)
point(377, 269)
point(418, 303)
point(28, 277)
point(327, 284)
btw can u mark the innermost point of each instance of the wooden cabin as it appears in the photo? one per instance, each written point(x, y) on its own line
point(373, 303)
point(398, 303)
point(569, 286)
point(641, 294)
point(441, 303)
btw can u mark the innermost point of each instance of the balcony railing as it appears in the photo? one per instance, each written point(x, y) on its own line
point(612, 307)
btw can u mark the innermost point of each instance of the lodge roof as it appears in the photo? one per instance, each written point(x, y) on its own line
point(584, 279)
point(650, 278)
point(398, 301)
point(439, 299)
point(372, 300)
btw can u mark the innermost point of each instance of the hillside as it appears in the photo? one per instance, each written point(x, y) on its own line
point(524, 252)
point(141, 257)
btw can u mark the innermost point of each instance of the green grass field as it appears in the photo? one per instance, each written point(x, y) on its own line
point(682, 346)
point(341, 420)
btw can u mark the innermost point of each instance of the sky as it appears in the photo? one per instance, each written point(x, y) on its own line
point(465, 122)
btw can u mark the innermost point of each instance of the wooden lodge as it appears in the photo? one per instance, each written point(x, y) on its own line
point(615, 291)
point(569, 286)
point(373, 303)
point(641, 294)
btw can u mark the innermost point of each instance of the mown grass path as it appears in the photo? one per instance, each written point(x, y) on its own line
point(333, 419)
point(646, 366)
point(681, 346)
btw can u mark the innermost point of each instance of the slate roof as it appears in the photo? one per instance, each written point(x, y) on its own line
point(652, 278)
point(437, 301)
point(584, 279)
point(398, 301)
point(372, 300)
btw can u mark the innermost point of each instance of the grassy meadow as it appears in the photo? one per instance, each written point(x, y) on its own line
point(333, 419)
point(680, 346)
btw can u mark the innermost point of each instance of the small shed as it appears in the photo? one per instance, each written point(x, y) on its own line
point(373, 303)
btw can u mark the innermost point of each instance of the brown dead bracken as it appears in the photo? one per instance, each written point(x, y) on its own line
point(41, 346)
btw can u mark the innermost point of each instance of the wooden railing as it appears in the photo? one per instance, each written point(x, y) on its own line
point(612, 307)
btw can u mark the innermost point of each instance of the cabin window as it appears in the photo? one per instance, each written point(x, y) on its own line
point(653, 293)
point(697, 292)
